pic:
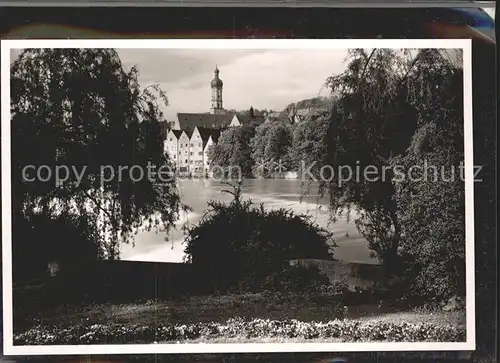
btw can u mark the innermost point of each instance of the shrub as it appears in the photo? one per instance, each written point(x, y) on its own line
point(432, 215)
point(236, 242)
point(298, 279)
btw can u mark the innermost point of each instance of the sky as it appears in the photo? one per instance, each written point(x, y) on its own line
point(263, 79)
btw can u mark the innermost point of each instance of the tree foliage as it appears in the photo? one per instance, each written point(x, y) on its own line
point(80, 108)
point(314, 103)
point(271, 145)
point(431, 210)
point(386, 98)
point(309, 145)
point(232, 155)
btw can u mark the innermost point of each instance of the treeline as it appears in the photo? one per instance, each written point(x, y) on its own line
point(272, 148)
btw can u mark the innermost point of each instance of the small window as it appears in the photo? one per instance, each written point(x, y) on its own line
point(200, 153)
point(191, 153)
point(191, 145)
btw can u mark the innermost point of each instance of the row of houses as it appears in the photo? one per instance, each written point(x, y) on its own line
point(188, 150)
point(192, 134)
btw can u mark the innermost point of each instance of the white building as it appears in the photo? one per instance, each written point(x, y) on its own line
point(239, 120)
point(189, 151)
point(201, 139)
point(212, 139)
point(196, 151)
point(171, 146)
point(184, 152)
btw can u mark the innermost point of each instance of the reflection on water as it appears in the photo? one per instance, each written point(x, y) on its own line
point(276, 193)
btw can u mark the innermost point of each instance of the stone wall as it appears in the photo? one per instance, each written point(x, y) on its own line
point(354, 274)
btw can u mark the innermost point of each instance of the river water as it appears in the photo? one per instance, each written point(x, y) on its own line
point(276, 193)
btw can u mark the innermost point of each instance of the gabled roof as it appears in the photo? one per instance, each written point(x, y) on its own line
point(215, 135)
point(188, 121)
point(205, 133)
point(248, 120)
point(189, 133)
point(278, 116)
point(177, 133)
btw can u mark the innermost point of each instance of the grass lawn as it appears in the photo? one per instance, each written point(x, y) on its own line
point(217, 310)
point(182, 311)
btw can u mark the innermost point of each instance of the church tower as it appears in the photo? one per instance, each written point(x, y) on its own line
point(216, 86)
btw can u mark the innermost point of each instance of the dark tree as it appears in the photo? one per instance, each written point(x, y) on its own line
point(80, 108)
point(383, 100)
point(232, 155)
point(271, 148)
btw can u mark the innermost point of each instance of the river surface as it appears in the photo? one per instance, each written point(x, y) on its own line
point(276, 193)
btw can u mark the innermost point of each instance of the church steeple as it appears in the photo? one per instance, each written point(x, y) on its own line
point(216, 86)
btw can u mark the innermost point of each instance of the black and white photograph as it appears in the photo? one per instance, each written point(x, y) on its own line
point(194, 196)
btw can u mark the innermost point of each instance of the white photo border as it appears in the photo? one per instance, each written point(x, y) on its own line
point(186, 348)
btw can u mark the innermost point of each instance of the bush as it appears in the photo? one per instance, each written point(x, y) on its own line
point(237, 242)
point(335, 330)
point(432, 216)
point(42, 238)
point(298, 279)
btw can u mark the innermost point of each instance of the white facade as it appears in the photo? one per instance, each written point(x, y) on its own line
point(188, 154)
point(196, 152)
point(235, 121)
point(184, 152)
point(171, 147)
point(206, 163)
